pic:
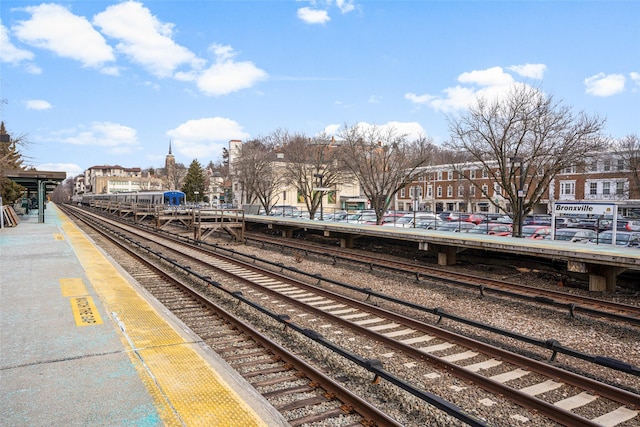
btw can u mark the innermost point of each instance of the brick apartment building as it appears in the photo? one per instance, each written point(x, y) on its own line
point(609, 178)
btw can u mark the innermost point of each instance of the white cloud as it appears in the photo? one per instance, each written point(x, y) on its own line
point(226, 76)
point(419, 99)
point(345, 6)
point(205, 138)
point(116, 138)
point(55, 28)
point(532, 71)
point(38, 104)
point(10, 53)
point(144, 39)
point(70, 168)
point(605, 85)
point(494, 76)
point(491, 83)
point(635, 77)
point(313, 16)
point(412, 130)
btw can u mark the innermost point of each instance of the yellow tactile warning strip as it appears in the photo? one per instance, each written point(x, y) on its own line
point(84, 309)
point(185, 389)
point(73, 287)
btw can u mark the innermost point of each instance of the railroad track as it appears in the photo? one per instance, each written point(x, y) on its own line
point(272, 370)
point(448, 352)
point(574, 304)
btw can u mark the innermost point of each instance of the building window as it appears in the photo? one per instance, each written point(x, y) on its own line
point(472, 174)
point(619, 188)
point(567, 188)
point(472, 190)
point(607, 165)
point(496, 188)
point(485, 173)
point(439, 191)
point(429, 191)
point(402, 193)
point(485, 189)
point(621, 164)
point(460, 190)
point(449, 175)
point(439, 178)
point(606, 188)
point(450, 191)
point(568, 170)
point(593, 188)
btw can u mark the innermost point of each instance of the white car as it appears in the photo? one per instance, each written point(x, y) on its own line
point(411, 219)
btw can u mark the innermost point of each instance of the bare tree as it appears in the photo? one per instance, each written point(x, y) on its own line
point(383, 161)
point(628, 148)
point(308, 162)
point(63, 192)
point(523, 141)
point(256, 170)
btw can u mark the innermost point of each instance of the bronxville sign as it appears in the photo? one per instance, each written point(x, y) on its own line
point(574, 208)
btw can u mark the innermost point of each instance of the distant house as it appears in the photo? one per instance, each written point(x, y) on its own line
point(108, 179)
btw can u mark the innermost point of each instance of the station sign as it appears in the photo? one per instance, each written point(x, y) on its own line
point(580, 208)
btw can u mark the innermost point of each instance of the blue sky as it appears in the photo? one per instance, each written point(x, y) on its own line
point(94, 83)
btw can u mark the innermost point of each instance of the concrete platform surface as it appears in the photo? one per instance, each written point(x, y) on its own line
point(81, 343)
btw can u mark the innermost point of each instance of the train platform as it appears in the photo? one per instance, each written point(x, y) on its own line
point(81, 343)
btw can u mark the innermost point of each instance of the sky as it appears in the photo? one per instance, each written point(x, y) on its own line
point(91, 83)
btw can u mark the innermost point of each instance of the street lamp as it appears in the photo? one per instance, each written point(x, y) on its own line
point(321, 190)
point(517, 162)
point(196, 193)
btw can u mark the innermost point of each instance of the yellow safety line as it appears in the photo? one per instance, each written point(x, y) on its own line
point(184, 387)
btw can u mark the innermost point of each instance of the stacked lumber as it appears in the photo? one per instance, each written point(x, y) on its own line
point(10, 217)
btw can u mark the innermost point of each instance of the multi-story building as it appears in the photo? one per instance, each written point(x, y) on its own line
point(117, 179)
point(440, 188)
point(345, 195)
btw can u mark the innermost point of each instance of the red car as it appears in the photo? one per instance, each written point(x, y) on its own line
point(536, 232)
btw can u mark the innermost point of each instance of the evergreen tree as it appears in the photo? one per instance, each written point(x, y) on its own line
point(194, 181)
point(10, 159)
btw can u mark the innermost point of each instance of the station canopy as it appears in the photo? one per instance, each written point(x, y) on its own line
point(32, 179)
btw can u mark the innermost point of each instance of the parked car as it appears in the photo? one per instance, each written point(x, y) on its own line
point(409, 219)
point(590, 224)
point(456, 226)
point(496, 218)
point(536, 232)
point(575, 234)
point(335, 216)
point(367, 218)
point(476, 218)
point(466, 217)
point(389, 219)
point(430, 224)
point(353, 217)
point(623, 238)
point(537, 219)
point(492, 229)
point(564, 221)
point(625, 224)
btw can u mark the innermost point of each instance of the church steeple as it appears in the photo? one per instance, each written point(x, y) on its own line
point(170, 170)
